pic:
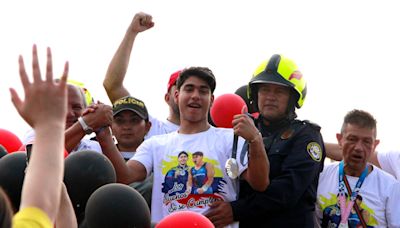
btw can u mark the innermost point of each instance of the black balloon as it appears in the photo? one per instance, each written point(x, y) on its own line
point(117, 205)
point(12, 175)
point(86, 171)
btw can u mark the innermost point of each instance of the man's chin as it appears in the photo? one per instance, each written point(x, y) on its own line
point(271, 116)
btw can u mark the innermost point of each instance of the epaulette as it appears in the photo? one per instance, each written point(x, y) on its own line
point(313, 125)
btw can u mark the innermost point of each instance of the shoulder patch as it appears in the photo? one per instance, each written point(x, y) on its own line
point(315, 151)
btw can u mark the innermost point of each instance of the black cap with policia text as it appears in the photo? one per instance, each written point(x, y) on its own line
point(132, 104)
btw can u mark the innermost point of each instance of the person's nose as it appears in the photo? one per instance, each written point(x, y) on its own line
point(196, 94)
point(271, 95)
point(358, 146)
point(127, 126)
point(70, 112)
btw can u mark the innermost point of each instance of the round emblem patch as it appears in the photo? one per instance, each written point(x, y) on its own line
point(315, 151)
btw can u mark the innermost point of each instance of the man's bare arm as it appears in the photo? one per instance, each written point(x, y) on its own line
point(113, 82)
point(44, 108)
point(127, 172)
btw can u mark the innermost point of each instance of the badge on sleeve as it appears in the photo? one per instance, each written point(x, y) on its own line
point(315, 151)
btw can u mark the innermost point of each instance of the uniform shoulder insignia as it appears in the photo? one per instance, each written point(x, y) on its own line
point(313, 125)
point(315, 151)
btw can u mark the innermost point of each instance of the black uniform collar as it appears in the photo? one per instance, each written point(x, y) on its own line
point(274, 126)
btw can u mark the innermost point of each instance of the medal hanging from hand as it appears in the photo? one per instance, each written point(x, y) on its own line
point(345, 208)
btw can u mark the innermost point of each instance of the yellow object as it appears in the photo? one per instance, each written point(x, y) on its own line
point(31, 217)
point(282, 71)
point(88, 97)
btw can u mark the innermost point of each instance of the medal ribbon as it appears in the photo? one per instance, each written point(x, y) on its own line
point(346, 208)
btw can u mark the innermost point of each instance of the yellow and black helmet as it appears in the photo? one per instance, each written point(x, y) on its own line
point(87, 95)
point(278, 70)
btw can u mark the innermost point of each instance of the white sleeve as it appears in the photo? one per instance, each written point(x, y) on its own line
point(393, 206)
point(389, 161)
point(144, 155)
point(155, 128)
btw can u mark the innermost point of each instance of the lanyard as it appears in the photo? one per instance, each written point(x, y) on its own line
point(346, 208)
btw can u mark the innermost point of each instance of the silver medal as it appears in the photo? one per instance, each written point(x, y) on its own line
point(232, 168)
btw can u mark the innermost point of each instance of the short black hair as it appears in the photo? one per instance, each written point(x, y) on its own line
point(183, 152)
point(203, 73)
point(359, 118)
point(199, 153)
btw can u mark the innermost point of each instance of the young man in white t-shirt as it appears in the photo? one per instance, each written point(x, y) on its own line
point(362, 194)
point(194, 95)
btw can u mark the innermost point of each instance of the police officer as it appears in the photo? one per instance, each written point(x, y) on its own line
point(295, 150)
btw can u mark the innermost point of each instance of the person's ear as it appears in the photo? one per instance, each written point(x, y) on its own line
point(176, 95)
point(339, 138)
point(376, 143)
point(167, 97)
point(148, 126)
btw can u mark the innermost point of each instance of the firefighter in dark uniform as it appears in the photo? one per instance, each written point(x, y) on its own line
point(295, 151)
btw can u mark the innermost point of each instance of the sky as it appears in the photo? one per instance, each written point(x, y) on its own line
point(347, 50)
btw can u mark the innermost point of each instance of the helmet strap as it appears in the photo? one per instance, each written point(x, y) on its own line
point(291, 107)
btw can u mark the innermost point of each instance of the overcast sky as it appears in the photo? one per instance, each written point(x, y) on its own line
point(347, 50)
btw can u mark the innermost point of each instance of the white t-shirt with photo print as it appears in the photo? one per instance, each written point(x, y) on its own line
point(159, 154)
point(380, 194)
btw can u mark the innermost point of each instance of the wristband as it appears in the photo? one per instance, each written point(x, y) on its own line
point(88, 130)
point(255, 138)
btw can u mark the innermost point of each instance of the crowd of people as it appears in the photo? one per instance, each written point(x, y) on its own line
point(183, 163)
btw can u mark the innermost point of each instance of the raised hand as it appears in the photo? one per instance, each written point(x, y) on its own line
point(45, 100)
point(141, 22)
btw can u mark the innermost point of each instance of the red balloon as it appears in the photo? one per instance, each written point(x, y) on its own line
point(224, 108)
point(185, 219)
point(9, 140)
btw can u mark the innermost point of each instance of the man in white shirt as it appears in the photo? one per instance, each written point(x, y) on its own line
point(362, 194)
point(194, 94)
